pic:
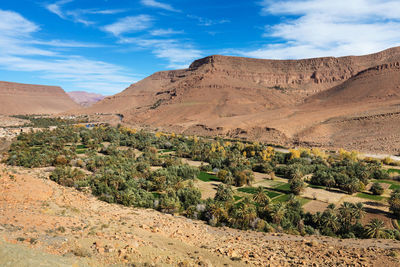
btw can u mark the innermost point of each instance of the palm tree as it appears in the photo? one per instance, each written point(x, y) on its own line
point(375, 228)
point(330, 182)
point(278, 211)
point(330, 220)
point(296, 186)
point(358, 211)
point(346, 214)
point(260, 197)
point(296, 174)
point(229, 180)
point(244, 214)
point(217, 211)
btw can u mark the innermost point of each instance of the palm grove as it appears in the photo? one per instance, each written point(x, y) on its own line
point(115, 163)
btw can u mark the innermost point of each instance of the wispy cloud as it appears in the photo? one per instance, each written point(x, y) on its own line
point(206, 21)
point(20, 51)
point(79, 15)
point(165, 32)
point(129, 24)
point(158, 4)
point(335, 28)
point(56, 8)
point(67, 44)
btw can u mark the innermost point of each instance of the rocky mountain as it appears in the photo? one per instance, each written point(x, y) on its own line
point(280, 101)
point(85, 99)
point(18, 98)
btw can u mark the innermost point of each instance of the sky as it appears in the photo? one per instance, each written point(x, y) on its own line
point(104, 46)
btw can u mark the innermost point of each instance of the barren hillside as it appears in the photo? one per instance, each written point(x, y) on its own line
point(280, 101)
point(18, 98)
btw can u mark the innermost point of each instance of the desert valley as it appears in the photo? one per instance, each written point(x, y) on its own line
point(233, 161)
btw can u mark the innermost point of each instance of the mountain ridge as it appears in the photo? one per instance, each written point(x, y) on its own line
point(20, 98)
point(242, 97)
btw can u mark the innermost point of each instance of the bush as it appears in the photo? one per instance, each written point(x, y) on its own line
point(377, 189)
point(296, 186)
point(394, 203)
point(68, 176)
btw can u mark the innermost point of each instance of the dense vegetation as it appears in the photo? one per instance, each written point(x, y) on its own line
point(118, 165)
point(45, 122)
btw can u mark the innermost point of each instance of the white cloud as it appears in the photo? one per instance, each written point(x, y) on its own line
point(20, 51)
point(330, 28)
point(165, 32)
point(13, 24)
point(206, 21)
point(63, 43)
point(56, 7)
point(129, 24)
point(157, 4)
point(78, 15)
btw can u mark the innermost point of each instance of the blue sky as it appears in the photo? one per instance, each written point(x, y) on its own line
point(105, 45)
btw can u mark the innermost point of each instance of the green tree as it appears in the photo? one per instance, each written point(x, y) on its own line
point(330, 220)
point(394, 203)
point(260, 196)
point(277, 212)
point(224, 193)
point(297, 186)
point(346, 215)
point(377, 189)
point(375, 228)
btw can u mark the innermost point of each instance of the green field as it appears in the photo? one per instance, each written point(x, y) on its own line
point(206, 177)
point(393, 171)
point(272, 194)
point(370, 196)
point(304, 201)
point(236, 198)
point(393, 184)
point(282, 198)
point(252, 190)
point(317, 186)
point(248, 190)
point(283, 188)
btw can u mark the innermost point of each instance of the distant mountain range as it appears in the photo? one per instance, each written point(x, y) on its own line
point(85, 99)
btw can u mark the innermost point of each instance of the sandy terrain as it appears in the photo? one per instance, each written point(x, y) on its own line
point(315, 206)
point(322, 195)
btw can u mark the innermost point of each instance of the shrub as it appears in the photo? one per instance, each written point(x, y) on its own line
point(394, 203)
point(377, 189)
point(67, 176)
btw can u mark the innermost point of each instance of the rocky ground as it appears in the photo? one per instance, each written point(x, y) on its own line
point(42, 222)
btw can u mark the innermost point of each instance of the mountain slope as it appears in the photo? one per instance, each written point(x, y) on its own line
point(85, 99)
point(18, 98)
point(280, 101)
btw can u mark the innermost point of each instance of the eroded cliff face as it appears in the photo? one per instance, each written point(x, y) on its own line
point(243, 97)
point(17, 98)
